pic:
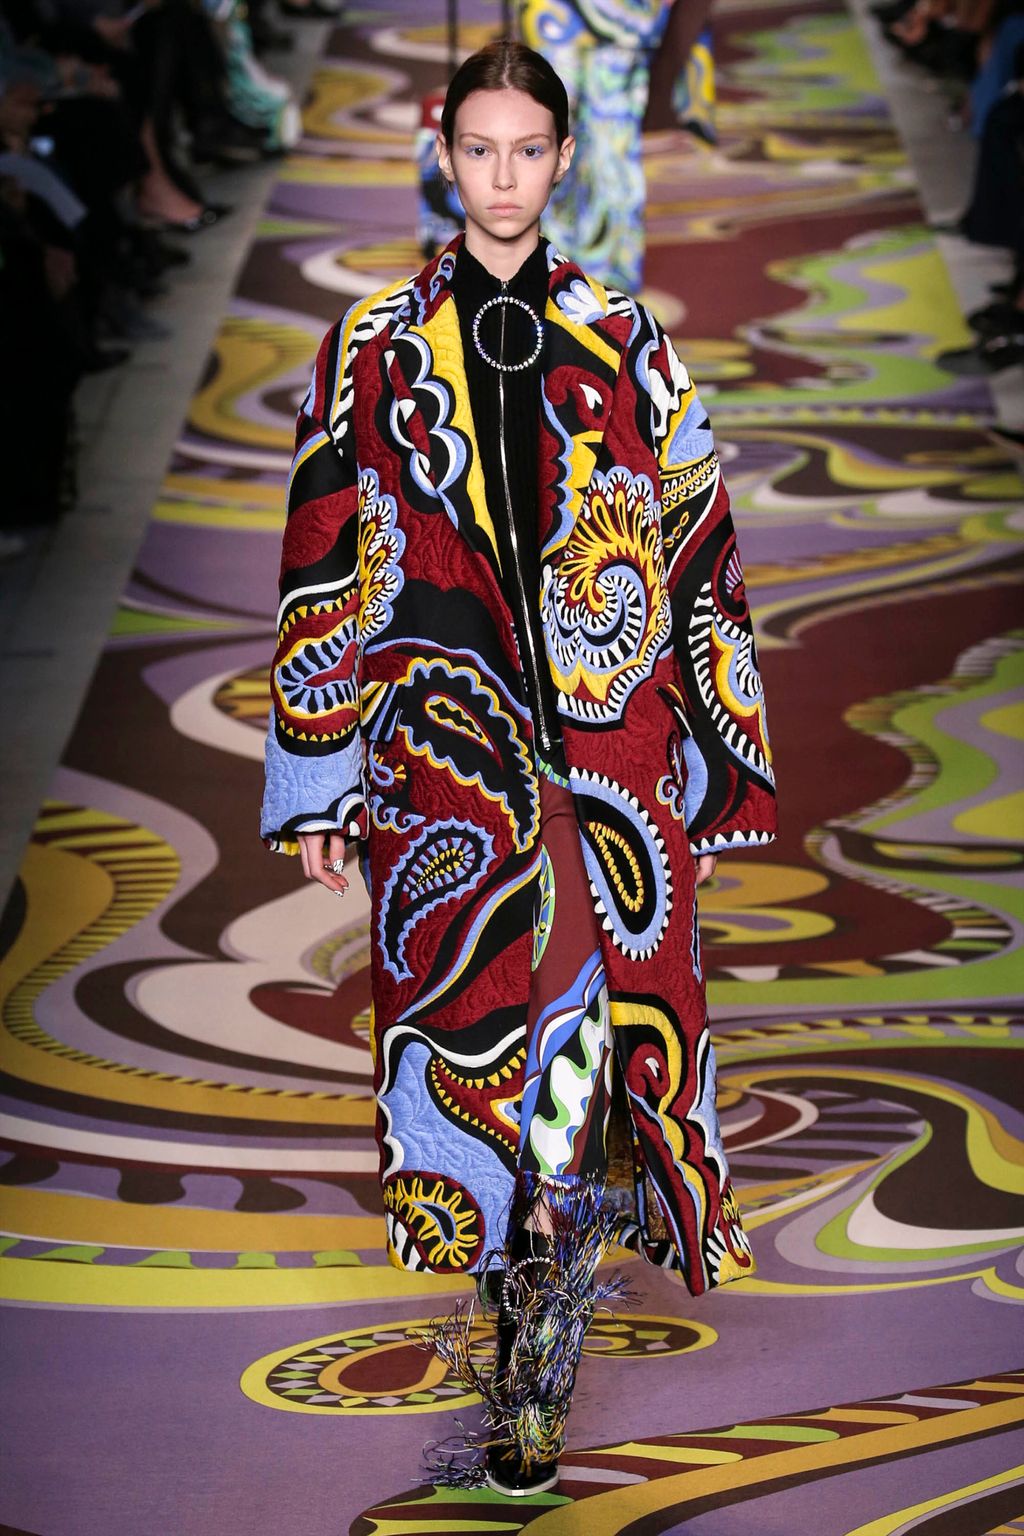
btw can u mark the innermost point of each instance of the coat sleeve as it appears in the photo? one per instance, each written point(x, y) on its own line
point(730, 791)
point(314, 761)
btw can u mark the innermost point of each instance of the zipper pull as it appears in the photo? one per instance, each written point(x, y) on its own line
point(501, 343)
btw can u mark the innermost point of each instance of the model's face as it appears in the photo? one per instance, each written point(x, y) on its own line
point(504, 160)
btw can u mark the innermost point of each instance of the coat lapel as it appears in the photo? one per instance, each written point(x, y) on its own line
point(429, 365)
point(583, 350)
point(581, 358)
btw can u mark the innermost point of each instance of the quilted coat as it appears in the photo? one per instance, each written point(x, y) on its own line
point(400, 718)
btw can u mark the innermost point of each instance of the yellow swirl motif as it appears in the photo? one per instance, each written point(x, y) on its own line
point(606, 609)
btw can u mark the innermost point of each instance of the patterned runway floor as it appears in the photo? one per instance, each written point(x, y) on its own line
point(201, 1333)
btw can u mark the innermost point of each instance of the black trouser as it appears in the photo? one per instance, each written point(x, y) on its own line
point(42, 351)
point(996, 212)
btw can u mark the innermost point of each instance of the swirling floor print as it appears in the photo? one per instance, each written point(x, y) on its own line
point(201, 1332)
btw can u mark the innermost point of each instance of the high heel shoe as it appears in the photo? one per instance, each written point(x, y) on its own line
point(209, 214)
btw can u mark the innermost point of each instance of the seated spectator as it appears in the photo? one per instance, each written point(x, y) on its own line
point(977, 47)
point(106, 110)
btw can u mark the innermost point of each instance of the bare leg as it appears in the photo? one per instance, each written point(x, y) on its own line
point(539, 1219)
point(158, 197)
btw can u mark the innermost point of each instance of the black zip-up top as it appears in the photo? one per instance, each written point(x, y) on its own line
point(506, 421)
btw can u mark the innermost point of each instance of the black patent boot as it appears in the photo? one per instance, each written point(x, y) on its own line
point(507, 1471)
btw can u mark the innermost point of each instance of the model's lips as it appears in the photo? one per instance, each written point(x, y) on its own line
point(504, 208)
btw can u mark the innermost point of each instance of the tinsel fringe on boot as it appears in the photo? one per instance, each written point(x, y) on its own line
point(553, 1299)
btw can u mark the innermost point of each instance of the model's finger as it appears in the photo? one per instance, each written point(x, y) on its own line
point(706, 867)
point(335, 856)
point(332, 882)
point(336, 884)
point(311, 849)
point(318, 861)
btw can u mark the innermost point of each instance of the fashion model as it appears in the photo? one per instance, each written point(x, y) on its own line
point(625, 64)
point(516, 669)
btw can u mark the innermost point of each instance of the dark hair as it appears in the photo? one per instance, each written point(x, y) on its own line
point(503, 65)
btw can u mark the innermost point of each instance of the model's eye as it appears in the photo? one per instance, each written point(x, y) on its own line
point(476, 151)
point(533, 151)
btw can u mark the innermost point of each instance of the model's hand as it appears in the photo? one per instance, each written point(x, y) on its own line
point(318, 854)
point(705, 866)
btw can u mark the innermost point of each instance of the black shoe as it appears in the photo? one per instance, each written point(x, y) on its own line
point(954, 225)
point(995, 318)
point(1005, 350)
point(209, 214)
point(989, 355)
point(155, 254)
point(1009, 439)
point(505, 1474)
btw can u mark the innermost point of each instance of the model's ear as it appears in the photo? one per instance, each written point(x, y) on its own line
point(444, 157)
point(565, 153)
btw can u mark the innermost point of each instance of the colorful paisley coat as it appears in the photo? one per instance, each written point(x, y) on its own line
point(399, 717)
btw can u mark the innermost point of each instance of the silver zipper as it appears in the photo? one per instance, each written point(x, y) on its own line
point(542, 729)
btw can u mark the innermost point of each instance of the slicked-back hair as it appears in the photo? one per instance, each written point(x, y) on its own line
point(507, 64)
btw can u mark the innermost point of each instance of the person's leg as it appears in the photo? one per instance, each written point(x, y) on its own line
point(992, 217)
point(598, 219)
point(260, 101)
point(541, 1286)
point(625, 185)
point(558, 1232)
point(996, 72)
point(167, 190)
point(201, 79)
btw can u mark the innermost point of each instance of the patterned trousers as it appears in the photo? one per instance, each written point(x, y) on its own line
point(596, 215)
point(568, 1079)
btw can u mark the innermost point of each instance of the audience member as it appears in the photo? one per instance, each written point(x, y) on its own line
point(108, 111)
point(977, 48)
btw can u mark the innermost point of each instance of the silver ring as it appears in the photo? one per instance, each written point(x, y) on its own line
point(337, 867)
